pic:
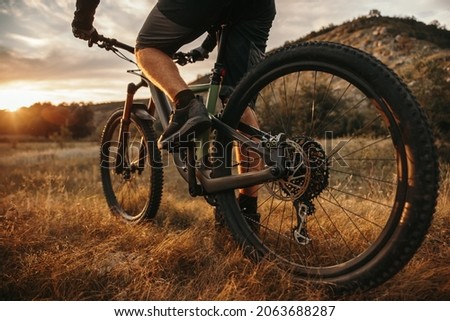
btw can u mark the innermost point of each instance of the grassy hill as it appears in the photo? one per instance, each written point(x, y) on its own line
point(404, 44)
point(59, 241)
point(417, 52)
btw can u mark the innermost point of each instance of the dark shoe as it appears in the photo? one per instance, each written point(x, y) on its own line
point(191, 120)
point(252, 218)
point(249, 206)
point(248, 209)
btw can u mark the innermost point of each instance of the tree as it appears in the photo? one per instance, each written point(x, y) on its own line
point(48, 120)
point(433, 93)
point(80, 121)
point(374, 13)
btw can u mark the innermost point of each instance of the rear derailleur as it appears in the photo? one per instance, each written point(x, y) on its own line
point(300, 232)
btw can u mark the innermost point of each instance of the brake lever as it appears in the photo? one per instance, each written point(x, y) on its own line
point(180, 58)
point(103, 42)
point(95, 38)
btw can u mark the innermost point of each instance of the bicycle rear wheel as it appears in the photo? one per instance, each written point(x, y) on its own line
point(132, 174)
point(362, 182)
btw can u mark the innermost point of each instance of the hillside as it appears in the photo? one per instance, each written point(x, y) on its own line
point(401, 43)
point(417, 52)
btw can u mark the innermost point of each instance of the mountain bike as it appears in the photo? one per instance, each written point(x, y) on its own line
point(346, 173)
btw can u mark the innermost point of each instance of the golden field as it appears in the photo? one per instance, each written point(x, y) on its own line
point(58, 241)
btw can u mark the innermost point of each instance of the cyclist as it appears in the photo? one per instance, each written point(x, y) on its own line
point(173, 23)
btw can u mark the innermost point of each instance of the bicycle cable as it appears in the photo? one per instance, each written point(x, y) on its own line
point(121, 55)
point(109, 45)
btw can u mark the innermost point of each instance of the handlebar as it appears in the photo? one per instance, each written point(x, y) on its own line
point(112, 44)
point(183, 58)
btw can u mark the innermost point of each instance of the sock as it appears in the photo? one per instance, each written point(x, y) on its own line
point(248, 203)
point(183, 98)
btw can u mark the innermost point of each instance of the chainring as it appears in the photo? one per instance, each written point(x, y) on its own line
point(307, 176)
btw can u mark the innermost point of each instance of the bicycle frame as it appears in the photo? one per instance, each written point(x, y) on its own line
point(199, 177)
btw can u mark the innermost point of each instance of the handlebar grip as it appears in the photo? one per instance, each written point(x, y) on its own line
point(126, 47)
point(111, 42)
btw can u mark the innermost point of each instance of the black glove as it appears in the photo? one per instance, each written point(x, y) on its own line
point(83, 19)
point(199, 54)
point(90, 35)
point(82, 33)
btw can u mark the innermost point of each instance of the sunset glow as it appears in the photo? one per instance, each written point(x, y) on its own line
point(23, 94)
point(12, 98)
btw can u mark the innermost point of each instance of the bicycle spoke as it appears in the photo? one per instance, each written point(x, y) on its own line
point(351, 212)
point(363, 176)
point(341, 116)
point(326, 234)
point(366, 146)
point(313, 105)
point(279, 218)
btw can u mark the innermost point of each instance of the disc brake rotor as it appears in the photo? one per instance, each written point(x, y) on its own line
point(307, 171)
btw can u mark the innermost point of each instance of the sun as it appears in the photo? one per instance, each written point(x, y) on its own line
point(13, 98)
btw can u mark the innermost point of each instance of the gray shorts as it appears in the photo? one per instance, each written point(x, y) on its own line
point(246, 40)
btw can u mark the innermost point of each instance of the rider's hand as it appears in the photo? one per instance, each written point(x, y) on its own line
point(199, 54)
point(83, 33)
point(90, 35)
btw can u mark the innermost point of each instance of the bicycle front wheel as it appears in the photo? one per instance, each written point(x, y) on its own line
point(131, 168)
point(362, 179)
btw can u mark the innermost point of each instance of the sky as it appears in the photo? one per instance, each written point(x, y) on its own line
point(41, 61)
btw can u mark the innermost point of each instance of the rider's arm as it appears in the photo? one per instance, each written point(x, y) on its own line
point(207, 46)
point(210, 42)
point(84, 14)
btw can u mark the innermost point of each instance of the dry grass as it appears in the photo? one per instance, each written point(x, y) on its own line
point(58, 241)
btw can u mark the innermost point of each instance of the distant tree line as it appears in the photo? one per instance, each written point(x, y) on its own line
point(73, 121)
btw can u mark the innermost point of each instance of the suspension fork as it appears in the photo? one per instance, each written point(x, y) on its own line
point(124, 128)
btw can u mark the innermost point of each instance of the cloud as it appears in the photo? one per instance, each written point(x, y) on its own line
point(59, 64)
point(37, 44)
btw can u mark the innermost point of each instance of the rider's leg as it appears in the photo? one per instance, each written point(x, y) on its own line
point(190, 115)
point(246, 44)
point(168, 27)
point(158, 40)
point(249, 160)
point(160, 69)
